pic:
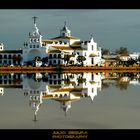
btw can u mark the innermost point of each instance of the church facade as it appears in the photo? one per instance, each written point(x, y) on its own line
point(64, 49)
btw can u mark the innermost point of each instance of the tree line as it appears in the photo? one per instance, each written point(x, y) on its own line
point(121, 51)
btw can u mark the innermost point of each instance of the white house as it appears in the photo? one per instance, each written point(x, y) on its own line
point(134, 55)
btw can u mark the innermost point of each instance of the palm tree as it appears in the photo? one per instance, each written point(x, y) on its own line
point(80, 59)
point(67, 58)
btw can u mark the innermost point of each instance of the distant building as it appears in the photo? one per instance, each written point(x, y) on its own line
point(124, 57)
point(134, 55)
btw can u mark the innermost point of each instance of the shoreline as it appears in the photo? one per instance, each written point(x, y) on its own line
point(72, 69)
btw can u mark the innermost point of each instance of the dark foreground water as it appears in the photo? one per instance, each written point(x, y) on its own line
point(81, 100)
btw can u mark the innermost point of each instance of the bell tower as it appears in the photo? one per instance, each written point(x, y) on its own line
point(65, 32)
point(35, 38)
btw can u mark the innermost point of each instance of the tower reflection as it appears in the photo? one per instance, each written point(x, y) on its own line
point(64, 88)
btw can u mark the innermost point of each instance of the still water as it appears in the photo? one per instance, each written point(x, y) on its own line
point(70, 101)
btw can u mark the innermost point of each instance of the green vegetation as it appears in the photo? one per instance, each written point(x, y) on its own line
point(122, 51)
point(105, 51)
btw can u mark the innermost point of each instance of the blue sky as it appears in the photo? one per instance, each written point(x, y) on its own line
point(110, 28)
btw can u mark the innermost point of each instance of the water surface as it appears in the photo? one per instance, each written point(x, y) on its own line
point(70, 101)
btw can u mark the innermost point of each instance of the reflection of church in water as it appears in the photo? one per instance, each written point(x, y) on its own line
point(64, 88)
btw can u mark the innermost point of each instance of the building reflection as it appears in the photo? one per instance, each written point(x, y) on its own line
point(11, 80)
point(64, 88)
point(121, 80)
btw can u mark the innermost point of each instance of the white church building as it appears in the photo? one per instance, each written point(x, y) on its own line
point(62, 50)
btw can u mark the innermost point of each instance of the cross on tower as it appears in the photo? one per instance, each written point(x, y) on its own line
point(34, 18)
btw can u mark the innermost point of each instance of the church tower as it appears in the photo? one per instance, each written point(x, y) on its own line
point(65, 32)
point(35, 38)
point(33, 48)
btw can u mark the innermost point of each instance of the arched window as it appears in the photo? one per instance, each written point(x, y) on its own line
point(10, 81)
point(59, 62)
point(5, 81)
point(59, 55)
point(54, 61)
point(9, 62)
point(5, 56)
point(54, 76)
point(9, 75)
point(9, 56)
point(5, 76)
point(50, 82)
point(54, 55)
point(59, 82)
point(5, 61)
point(50, 56)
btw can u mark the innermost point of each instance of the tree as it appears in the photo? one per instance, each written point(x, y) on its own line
point(139, 58)
point(105, 51)
point(45, 59)
point(67, 58)
point(81, 59)
point(122, 51)
point(37, 58)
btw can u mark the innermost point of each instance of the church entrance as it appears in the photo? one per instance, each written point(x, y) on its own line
point(33, 54)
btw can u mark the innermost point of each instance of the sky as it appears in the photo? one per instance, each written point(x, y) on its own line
point(111, 29)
